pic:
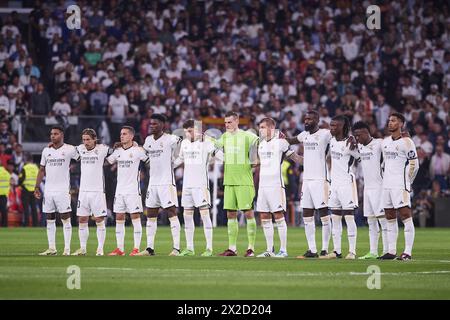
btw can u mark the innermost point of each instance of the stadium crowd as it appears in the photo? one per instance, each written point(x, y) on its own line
point(200, 59)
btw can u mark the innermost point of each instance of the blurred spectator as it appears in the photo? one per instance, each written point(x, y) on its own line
point(440, 167)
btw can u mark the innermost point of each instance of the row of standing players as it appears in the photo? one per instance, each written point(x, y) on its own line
point(393, 158)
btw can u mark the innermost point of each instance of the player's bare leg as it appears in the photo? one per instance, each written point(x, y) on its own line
point(175, 229)
point(120, 235)
point(67, 229)
point(326, 230)
point(310, 232)
point(83, 234)
point(409, 230)
point(267, 226)
point(392, 234)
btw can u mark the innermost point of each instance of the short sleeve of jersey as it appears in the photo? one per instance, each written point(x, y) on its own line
point(112, 158)
point(43, 158)
point(285, 147)
point(209, 146)
point(301, 136)
point(253, 138)
point(174, 140)
point(410, 149)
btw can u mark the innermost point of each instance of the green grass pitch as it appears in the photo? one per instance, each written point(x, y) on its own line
point(24, 275)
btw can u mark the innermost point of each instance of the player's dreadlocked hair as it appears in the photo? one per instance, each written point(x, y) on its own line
point(346, 122)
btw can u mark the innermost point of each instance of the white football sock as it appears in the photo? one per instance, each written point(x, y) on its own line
point(101, 234)
point(175, 229)
point(310, 231)
point(282, 233)
point(352, 233)
point(409, 235)
point(384, 236)
point(51, 233)
point(189, 228)
point(337, 232)
point(207, 228)
point(120, 234)
point(267, 226)
point(137, 235)
point(152, 226)
point(392, 232)
point(374, 234)
point(326, 231)
point(83, 234)
point(67, 227)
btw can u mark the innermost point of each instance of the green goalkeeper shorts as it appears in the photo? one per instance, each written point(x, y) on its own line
point(238, 197)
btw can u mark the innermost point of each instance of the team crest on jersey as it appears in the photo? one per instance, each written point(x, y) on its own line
point(316, 137)
point(161, 144)
point(131, 155)
point(96, 151)
point(63, 154)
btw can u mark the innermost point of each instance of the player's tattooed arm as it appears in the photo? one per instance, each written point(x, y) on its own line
point(40, 176)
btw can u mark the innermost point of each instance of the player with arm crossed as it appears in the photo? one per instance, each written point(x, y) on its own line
point(195, 153)
point(271, 192)
point(343, 193)
point(128, 197)
point(91, 198)
point(162, 191)
point(55, 166)
point(368, 150)
point(400, 169)
point(315, 187)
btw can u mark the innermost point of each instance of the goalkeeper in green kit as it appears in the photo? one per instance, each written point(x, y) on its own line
point(240, 150)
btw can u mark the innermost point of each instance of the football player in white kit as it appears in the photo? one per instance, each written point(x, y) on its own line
point(196, 152)
point(271, 200)
point(343, 193)
point(367, 150)
point(128, 197)
point(315, 187)
point(91, 198)
point(55, 166)
point(400, 169)
point(162, 192)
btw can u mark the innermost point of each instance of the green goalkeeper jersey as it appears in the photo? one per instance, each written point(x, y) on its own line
point(238, 148)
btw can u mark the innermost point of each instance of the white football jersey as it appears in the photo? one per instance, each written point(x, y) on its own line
point(316, 147)
point(341, 163)
point(196, 156)
point(161, 153)
point(371, 158)
point(128, 161)
point(271, 154)
point(92, 177)
point(400, 163)
point(57, 167)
